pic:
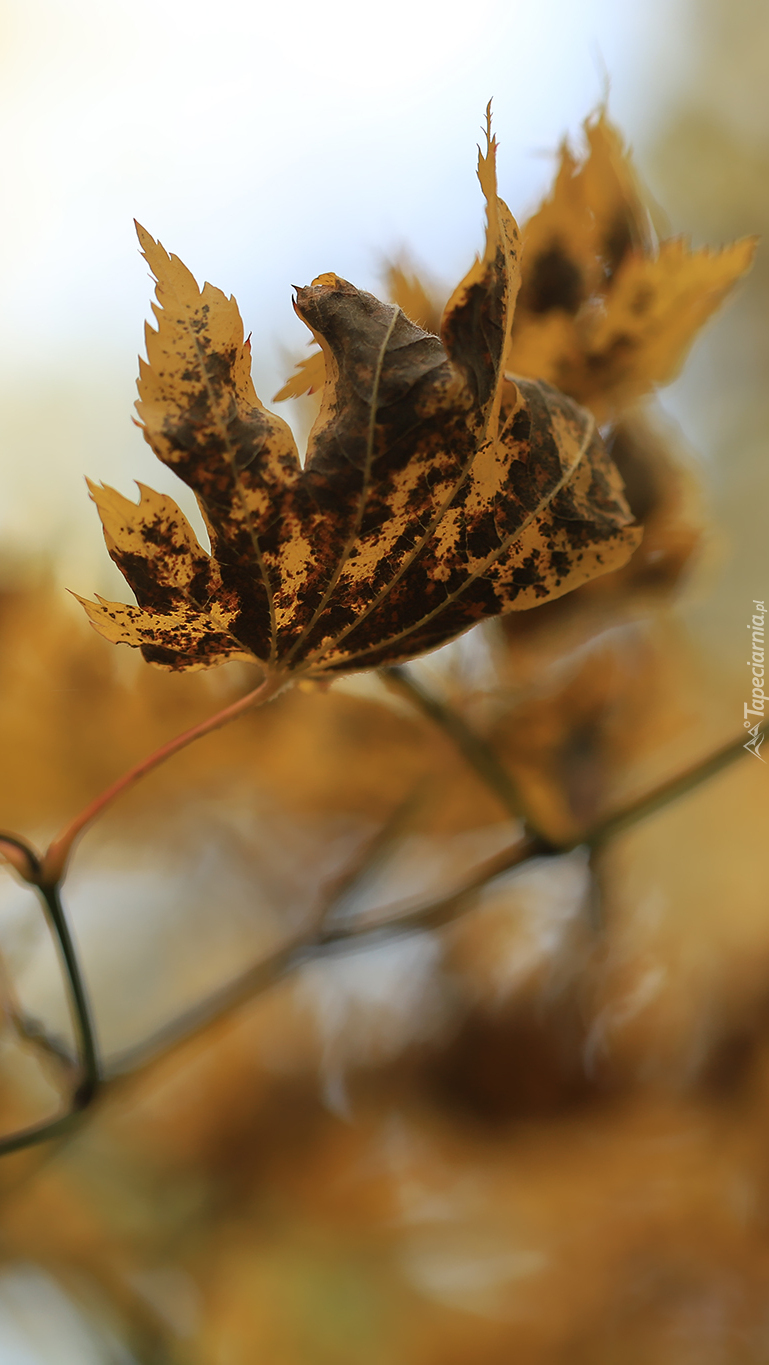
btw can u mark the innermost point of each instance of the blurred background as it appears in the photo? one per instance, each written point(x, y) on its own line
point(529, 1137)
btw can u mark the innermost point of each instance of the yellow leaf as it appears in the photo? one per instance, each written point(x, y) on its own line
point(309, 376)
point(653, 312)
point(604, 313)
point(580, 234)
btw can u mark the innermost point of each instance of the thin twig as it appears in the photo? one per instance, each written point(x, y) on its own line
point(403, 919)
point(476, 752)
point(86, 1037)
point(373, 853)
point(310, 939)
point(395, 920)
point(666, 792)
point(309, 945)
point(87, 1056)
point(31, 1031)
point(54, 862)
point(40, 1132)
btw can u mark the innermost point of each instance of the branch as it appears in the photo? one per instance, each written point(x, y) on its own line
point(408, 919)
point(667, 791)
point(475, 751)
point(322, 937)
point(84, 1026)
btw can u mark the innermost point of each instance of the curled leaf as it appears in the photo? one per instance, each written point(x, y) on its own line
point(404, 288)
point(436, 491)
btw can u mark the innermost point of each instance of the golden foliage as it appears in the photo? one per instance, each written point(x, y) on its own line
point(665, 498)
point(493, 1195)
point(309, 378)
point(436, 492)
point(605, 314)
point(405, 288)
point(537, 1135)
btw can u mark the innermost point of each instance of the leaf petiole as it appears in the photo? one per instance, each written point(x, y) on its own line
point(54, 862)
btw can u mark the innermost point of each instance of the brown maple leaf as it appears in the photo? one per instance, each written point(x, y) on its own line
point(436, 491)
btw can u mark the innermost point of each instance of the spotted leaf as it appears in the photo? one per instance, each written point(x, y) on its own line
point(436, 492)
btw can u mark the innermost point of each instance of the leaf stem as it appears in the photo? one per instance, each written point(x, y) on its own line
point(54, 862)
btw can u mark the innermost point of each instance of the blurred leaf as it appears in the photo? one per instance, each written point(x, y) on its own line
point(582, 734)
point(309, 378)
point(413, 296)
point(604, 314)
point(594, 216)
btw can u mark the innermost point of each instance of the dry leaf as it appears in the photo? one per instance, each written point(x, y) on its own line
point(664, 497)
point(603, 720)
point(594, 216)
point(604, 313)
point(436, 492)
point(404, 287)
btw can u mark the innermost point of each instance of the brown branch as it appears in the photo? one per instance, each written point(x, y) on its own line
point(476, 752)
point(667, 791)
point(409, 919)
point(321, 936)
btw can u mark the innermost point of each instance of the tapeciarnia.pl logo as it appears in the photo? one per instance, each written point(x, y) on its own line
point(757, 704)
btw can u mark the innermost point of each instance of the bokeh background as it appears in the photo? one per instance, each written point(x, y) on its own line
point(579, 1175)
